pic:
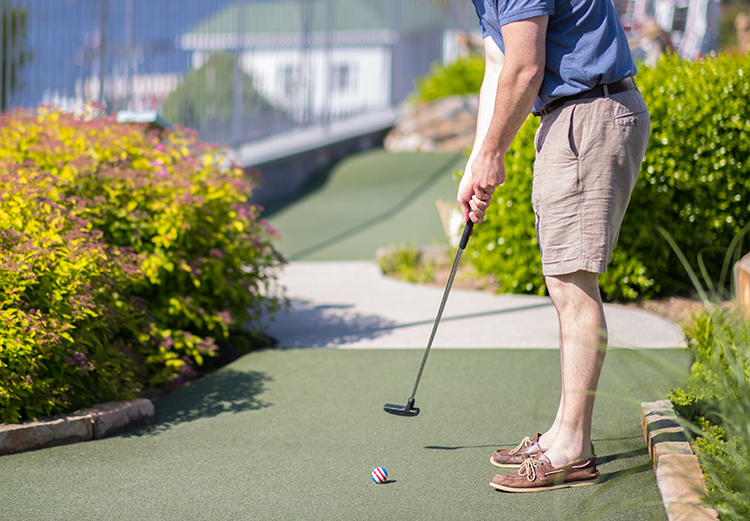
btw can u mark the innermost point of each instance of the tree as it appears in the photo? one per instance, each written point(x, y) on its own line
point(13, 51)
point(208, 94)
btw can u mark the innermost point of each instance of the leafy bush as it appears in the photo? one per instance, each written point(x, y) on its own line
point(693, 183)
point(717, 403)
point(462, 76)
point(173, 221)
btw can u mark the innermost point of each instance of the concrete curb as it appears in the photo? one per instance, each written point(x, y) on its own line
point(95, 423)
point(678, 472)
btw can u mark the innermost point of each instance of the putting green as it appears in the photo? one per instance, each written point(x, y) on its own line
point(367, 201)
point(294, 434)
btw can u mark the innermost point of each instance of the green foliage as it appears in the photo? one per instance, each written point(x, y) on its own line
point(717, 403)
point(208, 93)
point(173, 259)
point(405, 262)
point(693, 183)
point(463, 76)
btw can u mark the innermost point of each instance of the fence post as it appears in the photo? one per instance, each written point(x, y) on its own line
point(4, 60)
point(238, 113)
point(104, 22)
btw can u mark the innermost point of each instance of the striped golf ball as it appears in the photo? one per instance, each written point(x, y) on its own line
point(379, 475)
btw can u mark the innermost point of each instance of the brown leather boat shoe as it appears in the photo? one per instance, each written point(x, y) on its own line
point(537, 474)
point(513, 458)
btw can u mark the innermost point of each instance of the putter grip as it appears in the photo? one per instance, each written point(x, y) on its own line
point(467, 233)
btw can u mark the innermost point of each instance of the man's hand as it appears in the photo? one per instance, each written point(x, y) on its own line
point(475, 192)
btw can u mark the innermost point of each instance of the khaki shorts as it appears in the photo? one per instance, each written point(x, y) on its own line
point(589, 154)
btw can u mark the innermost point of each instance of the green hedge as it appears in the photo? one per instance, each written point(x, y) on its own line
point(693, 183)
point(129, 256)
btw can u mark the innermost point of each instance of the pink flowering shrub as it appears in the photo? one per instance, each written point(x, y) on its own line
point(188, 261)
point(68, 328)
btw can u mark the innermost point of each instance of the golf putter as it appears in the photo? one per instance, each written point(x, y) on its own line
point(409, 409)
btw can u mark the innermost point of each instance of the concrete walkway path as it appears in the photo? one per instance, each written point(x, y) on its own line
point(351, 304)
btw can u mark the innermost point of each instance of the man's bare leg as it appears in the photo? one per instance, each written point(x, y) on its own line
point(583, 342)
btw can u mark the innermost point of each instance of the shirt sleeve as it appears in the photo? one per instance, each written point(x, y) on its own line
point(480, 10)
point(515, 10)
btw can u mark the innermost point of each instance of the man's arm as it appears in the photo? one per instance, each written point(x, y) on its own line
point(505, 100)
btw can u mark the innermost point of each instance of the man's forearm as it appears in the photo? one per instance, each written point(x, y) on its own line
point(517, 90)
point(487, 93)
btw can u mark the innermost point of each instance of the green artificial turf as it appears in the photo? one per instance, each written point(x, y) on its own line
point(367, 201)
point(293, 435)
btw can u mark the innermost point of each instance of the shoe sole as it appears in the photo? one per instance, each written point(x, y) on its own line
point(505, 465)
point(542, 489)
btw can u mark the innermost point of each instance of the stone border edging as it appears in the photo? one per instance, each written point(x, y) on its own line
point(100, 421)
point(678, 472)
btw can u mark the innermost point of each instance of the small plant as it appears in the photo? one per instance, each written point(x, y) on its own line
point(717, 404)
point(405, 262)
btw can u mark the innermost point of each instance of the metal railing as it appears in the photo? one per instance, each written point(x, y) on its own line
point(234, 70)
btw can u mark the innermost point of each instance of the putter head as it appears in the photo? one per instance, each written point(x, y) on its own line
point(402, 410)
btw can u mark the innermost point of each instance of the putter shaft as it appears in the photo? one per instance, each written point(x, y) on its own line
point(448, 286)
point(409, 409)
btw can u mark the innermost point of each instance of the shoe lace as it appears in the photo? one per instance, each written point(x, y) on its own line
point(528, 468)
point(524, 443)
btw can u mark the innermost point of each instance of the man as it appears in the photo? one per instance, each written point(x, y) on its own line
point(568, 61)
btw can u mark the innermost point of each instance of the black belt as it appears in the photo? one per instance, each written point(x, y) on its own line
point(599, 91)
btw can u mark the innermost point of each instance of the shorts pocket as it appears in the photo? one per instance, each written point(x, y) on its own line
point(633, 119)
point(630, 110)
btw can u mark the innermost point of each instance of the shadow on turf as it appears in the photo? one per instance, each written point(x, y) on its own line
point(327, 325)
point(223, 391)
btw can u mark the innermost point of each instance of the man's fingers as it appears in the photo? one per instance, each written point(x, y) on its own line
point(483, 194)
point(465, 209)
point(478, 208)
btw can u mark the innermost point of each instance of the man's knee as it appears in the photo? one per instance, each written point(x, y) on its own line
point(576, 282)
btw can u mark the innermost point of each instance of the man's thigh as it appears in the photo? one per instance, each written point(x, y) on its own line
point(588, 158)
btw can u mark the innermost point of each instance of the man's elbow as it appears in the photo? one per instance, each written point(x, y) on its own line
point(531, 75)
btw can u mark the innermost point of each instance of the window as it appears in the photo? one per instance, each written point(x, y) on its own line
point(340, 78)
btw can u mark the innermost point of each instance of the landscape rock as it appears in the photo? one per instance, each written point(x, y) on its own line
point(100, 421)
point(112, 418)
point(444, 125)
point(45, 433)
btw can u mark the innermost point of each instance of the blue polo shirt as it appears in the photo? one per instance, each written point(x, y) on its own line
point(586, 44)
